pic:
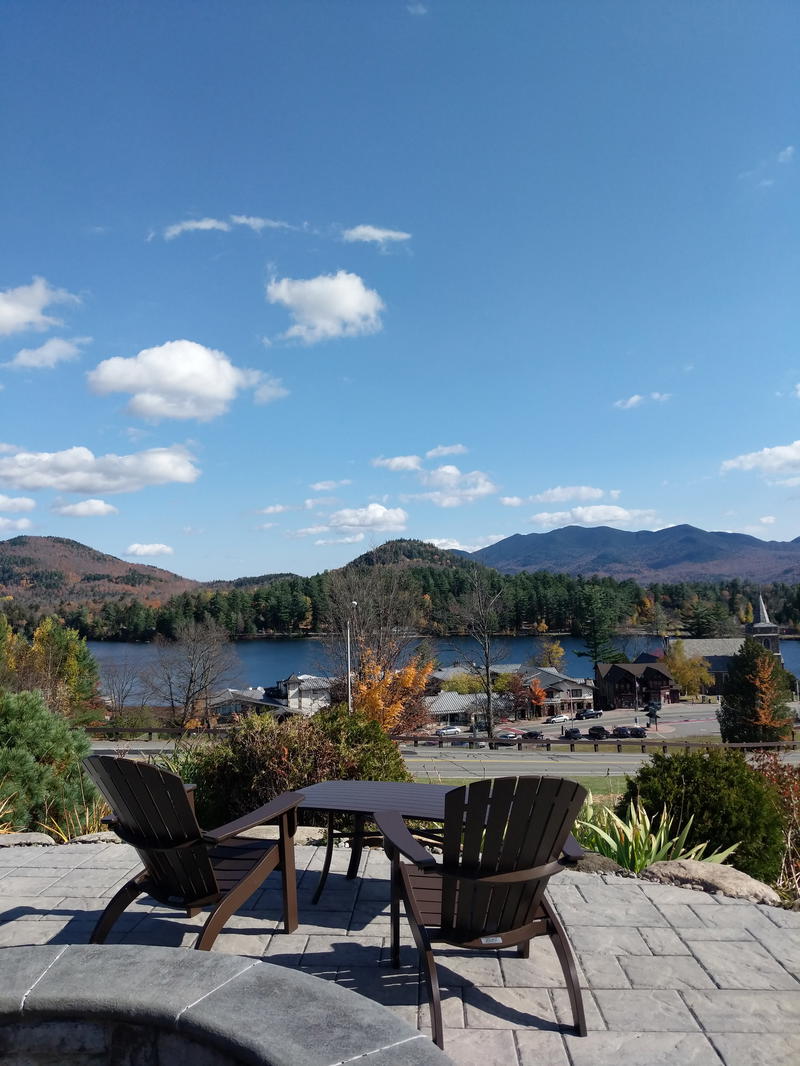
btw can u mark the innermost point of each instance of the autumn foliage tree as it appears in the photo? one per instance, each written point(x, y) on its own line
point(691, 673)
point(549, 653)
point(392, 698)
point(537, 697)
point(754, 704)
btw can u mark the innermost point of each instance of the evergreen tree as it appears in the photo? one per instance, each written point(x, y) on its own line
point(755, 699)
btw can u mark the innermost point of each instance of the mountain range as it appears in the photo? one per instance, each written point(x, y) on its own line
point(50, 570)
point(677, 553)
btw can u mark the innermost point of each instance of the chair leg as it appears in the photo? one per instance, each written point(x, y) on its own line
point(116, 905)
point(214, 923)
point(560, 942)
point(524, 950)
point(428, 964)
point(323, 877)
point(288, 874)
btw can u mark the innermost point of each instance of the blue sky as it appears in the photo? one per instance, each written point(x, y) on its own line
point(279, 281)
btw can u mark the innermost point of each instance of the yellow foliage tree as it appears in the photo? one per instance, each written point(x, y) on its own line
point(393, 698)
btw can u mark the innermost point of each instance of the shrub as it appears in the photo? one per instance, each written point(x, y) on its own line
point(262, 758)
point(634, 841)
point(727, 800)
point(786, 781)
point(40, 762)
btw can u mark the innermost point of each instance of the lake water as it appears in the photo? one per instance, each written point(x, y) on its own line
point(264, 662)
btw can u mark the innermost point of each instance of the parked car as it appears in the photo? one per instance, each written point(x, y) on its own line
point(448, 731)
point(466, 742)
point(589, 713)
point(509, 734)
point(533, 734)
point(572, 734)
point(597, 732)
point(621, 731)
point(637, 731)
point(558, 718)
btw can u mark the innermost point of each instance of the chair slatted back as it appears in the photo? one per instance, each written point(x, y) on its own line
point(498, 826)
point(155, 816)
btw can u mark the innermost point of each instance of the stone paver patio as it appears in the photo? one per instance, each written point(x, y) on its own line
point(671, 976)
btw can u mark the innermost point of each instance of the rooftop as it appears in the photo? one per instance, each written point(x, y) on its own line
point(670, 976)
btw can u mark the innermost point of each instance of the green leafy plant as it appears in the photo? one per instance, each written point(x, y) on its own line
point(40, 761)
point(86, 818)
point(726, 800)
point(635, 842)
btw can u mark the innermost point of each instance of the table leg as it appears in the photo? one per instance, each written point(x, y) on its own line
point(357, 845)
point(323, 877)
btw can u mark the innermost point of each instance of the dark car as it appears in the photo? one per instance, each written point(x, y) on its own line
point(637, 731)
point(572, 734)
point(621, 731)
point(533, 734)
point(588, 714)
point(597, 732)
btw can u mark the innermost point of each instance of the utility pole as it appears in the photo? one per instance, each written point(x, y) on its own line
point(353, 605)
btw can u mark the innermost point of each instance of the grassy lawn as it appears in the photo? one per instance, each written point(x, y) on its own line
point(605, 790)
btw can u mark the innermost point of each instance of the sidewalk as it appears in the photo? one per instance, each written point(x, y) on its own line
point(671, 977)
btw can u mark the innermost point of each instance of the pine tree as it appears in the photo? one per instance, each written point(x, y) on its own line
point(755, 699)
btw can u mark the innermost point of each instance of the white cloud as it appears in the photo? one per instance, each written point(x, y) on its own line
point(23, 308)
point(562, 493)
point(309, 531)
point(269, 390)
point(14, 524)
point(632, 401)
point(328, 306)
point(326, 486)
point(636, 400)
point(449, 544)
point(399, 462)
point(6, 449)
point(445, 449)
point(267, 525)
point(16, 503)
point(375, 235)
point(180, 379)
point(416, 9)
point(318, 501)
point(511, 501)
point(194, 225)
point(86, 509)
point(374, 516)
point(47, 355)
point(256, 223)
point(784, 458)
point(767, 520)
point(148, 549)
point(354, 538)
point(79, 470)
point(786, 155)
point(604, 514)
point(450, 488)
point(275, 508)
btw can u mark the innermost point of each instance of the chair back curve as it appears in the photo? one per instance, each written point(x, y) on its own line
point(152, 813)
point(499, 826)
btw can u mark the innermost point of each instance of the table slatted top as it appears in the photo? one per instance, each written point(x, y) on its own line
point(412, 800)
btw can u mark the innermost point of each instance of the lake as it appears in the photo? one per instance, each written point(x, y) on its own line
point(264, 662)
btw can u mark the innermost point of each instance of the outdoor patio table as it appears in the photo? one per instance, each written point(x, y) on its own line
point(362, 798)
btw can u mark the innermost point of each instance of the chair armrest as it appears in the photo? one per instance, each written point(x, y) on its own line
point(572, 851)
point(270, 812)
point(396, 834)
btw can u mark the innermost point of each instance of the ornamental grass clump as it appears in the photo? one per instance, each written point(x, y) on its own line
point(634, 842)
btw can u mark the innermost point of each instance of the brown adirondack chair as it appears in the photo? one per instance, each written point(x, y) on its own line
point(502, 841)
point(184, 866)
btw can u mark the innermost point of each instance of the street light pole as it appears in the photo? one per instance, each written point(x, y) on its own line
point(349, 668)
